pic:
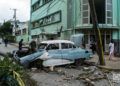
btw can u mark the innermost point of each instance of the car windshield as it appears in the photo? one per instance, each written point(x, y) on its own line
point(42, 46)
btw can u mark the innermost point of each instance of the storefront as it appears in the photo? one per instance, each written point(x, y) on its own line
point(106, 36)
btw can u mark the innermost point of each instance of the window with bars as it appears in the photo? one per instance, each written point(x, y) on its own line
point(109, 12)
point(39, 3)
point(85, 11)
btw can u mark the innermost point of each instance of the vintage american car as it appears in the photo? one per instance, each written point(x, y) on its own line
point(55, 53)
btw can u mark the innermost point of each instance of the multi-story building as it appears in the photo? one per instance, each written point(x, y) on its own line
point(22, 32)
point(59, 19)
point(47, 18)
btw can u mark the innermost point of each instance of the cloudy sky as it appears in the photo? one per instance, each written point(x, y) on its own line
point(22, 6)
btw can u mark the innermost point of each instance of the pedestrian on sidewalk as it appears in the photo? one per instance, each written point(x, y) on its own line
point(33, 46)
point(6, 42)
point(93, 46)
point(111, 50)
point(20, 44)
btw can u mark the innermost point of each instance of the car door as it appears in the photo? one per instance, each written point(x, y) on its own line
point(54, 50)
point(66, 51)
point(74, 52)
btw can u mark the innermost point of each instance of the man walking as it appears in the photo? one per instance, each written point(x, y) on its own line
point(6, 42)
point(20, 44)
point(111, 50)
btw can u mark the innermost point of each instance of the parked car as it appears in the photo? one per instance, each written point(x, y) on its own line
point(56, 52)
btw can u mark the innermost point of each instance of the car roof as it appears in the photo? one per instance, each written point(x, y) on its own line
point(57, 41)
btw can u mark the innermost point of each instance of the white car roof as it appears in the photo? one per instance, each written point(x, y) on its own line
point(57, 41)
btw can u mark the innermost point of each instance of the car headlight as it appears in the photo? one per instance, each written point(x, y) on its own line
point(86, 51)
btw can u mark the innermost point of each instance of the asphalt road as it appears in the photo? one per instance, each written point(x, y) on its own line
point(7, 49)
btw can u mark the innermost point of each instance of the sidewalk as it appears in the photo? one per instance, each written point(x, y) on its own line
point(109, 64)
point(16, 44)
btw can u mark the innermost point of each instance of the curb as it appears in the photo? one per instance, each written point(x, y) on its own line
point(108, 68)
point(13, 44)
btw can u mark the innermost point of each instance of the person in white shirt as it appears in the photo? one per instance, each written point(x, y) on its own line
point(111, 50)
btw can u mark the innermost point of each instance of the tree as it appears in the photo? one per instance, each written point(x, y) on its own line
point(6, 29)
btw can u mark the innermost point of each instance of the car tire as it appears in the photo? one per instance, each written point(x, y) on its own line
point(79, 62)
point(36, 63)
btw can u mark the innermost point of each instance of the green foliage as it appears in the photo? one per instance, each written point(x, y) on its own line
point(6, 29)
point(7, 66)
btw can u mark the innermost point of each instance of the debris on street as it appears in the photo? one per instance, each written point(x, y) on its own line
point(88, 74)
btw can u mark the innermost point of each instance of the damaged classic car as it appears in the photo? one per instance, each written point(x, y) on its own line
point(55, 53)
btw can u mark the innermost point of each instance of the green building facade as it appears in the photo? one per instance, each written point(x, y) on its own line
point(59, 19)
point(22, 32)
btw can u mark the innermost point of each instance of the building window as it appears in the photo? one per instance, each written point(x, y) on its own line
point(36, 5)
point(109, 20)
point(85, 14)
point(85, 11)
point(39, 3)
point(109, 1)
point(85, 20)
point(24, 31)
point(85, 7)
point(17, 33)
point(85, 1)
point(46, 1)
point(109, 11)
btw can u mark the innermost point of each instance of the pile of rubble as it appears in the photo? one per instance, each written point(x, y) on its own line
point(88, 75)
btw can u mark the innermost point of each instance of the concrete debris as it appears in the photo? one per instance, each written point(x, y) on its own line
point(51, 68)
point(33, 69)
point(92, 74)
point(86, 68)
point(89, 82)
point(109, 80)
point(65, 85)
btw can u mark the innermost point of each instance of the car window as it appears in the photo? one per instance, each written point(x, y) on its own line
point(64, 45)
point(67, 45)
point(71, 46)
point(74, 46)
point(42, 46)
point(53, 46)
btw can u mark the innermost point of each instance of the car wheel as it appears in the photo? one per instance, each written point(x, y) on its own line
point(36, 63)
point(79, 62)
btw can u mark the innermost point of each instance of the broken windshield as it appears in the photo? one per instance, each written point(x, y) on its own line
point(42, 46)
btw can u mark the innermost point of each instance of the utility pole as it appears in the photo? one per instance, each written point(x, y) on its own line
point(14, 17)
point(97, 32)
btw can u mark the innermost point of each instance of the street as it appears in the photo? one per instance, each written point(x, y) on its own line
point(7, 49)
point(60, 42)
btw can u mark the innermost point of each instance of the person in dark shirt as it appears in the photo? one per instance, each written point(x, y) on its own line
point(93, 47)
point(33, 46)
point(6, 42)
point(20, 44)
